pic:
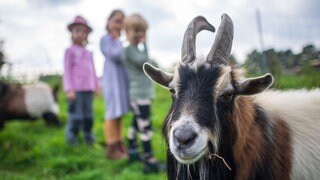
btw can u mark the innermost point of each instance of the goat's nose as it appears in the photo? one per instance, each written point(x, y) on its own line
point(184, 136)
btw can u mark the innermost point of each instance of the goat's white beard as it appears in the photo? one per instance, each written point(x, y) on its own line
point(202, 169)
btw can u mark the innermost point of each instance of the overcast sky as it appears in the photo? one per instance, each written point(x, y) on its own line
point(36, 36)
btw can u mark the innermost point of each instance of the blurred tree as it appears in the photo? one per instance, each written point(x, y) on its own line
point(273, 62)
point(2, 58)
point(308, 52)
point(53, 79)
point(308, 49)
point(252, 62)
point(279, 62)
point(287, 58)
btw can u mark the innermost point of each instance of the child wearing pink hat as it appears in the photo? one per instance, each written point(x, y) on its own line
point(80, 82)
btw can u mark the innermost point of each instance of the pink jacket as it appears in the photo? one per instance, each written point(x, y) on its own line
point(79, 72)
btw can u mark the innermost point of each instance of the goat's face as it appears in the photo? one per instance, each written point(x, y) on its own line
point(203, 93)
point(202, 97)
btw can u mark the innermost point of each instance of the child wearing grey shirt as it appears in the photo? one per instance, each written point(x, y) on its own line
point(141, 92)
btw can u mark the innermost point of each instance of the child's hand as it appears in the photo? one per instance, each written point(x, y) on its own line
point(98, 92)
point(143, 38)
point(71, 95)
point(115, 34)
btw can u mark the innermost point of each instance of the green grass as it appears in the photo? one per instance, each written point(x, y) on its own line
point(308, 81)
point(31, 150)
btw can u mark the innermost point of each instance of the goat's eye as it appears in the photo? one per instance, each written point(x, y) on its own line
point(172, 91)
point(227, 96)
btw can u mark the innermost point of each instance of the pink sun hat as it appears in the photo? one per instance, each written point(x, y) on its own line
point(79, 20)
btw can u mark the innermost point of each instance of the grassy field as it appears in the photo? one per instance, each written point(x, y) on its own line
point(31, 150)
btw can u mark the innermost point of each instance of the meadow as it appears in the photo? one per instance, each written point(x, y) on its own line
point(32, 150)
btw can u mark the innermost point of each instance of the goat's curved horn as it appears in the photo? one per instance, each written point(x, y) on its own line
point(188, 52)
point(221, 47)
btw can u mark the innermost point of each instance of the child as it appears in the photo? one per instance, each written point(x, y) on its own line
point(141, 91)
point(80, 81)
point(115, 86)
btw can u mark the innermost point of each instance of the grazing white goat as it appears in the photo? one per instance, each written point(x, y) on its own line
point(28, 102)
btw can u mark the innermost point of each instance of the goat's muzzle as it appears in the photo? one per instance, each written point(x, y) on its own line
point(187, 141)
point(184, 137)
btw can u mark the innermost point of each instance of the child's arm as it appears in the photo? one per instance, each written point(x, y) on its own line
point(114, 53)
point(96, 80)
point(67, 77)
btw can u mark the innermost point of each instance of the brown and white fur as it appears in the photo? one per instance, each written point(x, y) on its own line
point(300, 110)
point(222, 125)
point(28, 102)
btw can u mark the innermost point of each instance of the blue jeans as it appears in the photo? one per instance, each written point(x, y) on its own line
point(80, 114)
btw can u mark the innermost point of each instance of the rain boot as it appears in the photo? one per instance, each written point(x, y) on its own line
point(113, 148)
point(113, 152)
point(122, 148)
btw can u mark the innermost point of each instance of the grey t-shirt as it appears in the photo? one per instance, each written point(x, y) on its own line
point(141, 86)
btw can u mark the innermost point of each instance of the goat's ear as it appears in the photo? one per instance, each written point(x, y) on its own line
point(255, 85)
point(157, 75)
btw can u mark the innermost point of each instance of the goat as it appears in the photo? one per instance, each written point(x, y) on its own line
point(28, 102)
point(219, 126)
